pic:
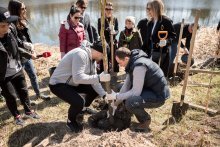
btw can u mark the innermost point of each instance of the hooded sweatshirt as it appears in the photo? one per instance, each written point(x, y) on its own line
point(77, 67)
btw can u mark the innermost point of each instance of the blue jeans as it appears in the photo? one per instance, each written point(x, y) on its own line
point(173, 51)
point(30, 70)
point(136, 104)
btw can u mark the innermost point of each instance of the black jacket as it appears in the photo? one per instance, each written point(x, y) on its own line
point(186, 34)
point(163, 24)
point(88, 28)
point(24, 36)
point(107, 28)
point(154, 78)
point(142, 26)
point(13, 41)
point(218, 27)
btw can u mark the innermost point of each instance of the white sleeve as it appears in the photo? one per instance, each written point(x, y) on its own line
point(78, 71)
point(138, 83)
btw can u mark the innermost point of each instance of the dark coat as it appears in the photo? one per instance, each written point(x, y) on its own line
point(134, 43)
point(142, 27)
point(13, 42)
point(87, 27)
point(107, 28)
point(163, 24)
point(186, 34)
point(24, 36)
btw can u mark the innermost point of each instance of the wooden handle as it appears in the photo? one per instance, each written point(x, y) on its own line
point(162, 33)
point(178, 47)
point(190, 56)
point(112, 43)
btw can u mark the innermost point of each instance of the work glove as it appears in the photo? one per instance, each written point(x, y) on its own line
point(118, 102)
point(103, 77)
point(28, 46)
point(111, 96)
point(162, 43)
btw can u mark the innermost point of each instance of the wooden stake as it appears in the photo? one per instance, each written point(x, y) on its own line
point(105, 58)
point(178, 47)
point(190, 57)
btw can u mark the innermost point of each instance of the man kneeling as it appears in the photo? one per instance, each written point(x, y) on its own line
point(145, 85)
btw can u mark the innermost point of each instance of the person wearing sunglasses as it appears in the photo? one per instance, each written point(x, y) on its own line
point(108, 31)
point(155, 47)
point(72, 32)
point(18, 8)
point(85, 19)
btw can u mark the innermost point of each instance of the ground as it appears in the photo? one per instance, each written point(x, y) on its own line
point(196, 128)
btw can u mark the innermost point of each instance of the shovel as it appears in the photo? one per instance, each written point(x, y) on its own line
point(180, 108)
point(163, 40)
point(174, 79)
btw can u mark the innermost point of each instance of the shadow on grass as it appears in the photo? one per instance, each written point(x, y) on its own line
point(54, 131)
point(42, 105)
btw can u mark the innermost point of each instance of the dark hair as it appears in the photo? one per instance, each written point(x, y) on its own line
point(73, 10)
point(14, 7)
point(122, 52)
point(80, 3)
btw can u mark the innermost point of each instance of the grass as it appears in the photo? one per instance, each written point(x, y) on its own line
point(195, 129)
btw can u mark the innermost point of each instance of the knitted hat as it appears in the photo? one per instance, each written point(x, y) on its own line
point(130, 18)
point(98, 46)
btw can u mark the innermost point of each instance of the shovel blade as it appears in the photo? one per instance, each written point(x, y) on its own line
point(179, 110)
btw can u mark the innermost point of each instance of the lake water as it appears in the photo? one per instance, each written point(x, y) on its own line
point(45, 16)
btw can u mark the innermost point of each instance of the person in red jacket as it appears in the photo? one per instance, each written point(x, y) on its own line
point(72, 32)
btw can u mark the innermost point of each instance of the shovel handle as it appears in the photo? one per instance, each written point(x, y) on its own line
point(162, 33)
point(178, 47)
point(190, 53)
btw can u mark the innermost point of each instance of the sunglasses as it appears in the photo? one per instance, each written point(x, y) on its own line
point(83, 7)
point(148, 9)
point(77, 17)
point(108, 9)
point(25, 8)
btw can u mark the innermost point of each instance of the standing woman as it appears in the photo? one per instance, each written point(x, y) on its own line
point(107, 32)
point(72, 32)
point(18, 8)
point(152, 44)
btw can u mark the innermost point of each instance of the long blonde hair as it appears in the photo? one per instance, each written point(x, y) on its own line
point(157, 7)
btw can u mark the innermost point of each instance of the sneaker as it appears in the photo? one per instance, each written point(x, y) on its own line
point(42, 96)
point(88, 111)
point(32, 103)
point(143, 127)
point(19, 120)
point(74, 126)
point(33, 115)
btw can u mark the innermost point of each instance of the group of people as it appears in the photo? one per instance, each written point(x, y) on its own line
point(146, 52)
point(145, 85)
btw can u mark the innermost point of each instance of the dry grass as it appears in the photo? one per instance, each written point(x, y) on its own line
point(196, 128)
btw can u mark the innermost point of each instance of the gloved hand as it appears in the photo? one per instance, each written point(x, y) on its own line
point(111, 96)
point(103, 77)
point(118, 101)
point(162, 43)
point(28, 46)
